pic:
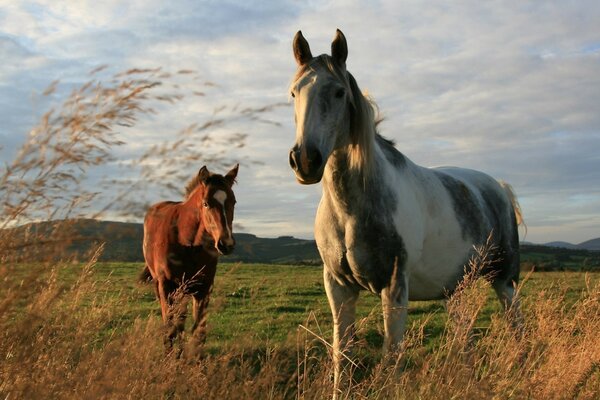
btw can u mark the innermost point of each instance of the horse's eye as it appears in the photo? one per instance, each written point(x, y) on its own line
point(205, 205)
point(339, 93)
point(292, 94)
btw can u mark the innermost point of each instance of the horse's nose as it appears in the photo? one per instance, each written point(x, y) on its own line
point(294, 154)
point(305, 161)
point(226, 246)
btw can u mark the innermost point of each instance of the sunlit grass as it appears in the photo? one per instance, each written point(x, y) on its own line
point(75, 324)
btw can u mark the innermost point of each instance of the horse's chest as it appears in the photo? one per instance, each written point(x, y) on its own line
point(360, 251)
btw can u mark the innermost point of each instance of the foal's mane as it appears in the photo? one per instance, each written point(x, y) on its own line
point(364, 115)
point(213, 179)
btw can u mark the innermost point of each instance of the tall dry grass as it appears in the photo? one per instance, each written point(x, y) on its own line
point(73, 164)
point(70, 339)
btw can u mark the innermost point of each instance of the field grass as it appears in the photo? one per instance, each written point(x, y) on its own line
point(93, 331)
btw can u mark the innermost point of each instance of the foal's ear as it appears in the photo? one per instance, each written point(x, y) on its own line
point(339, 48)
point(302, 52)
point(204, 173)
point(231, 175)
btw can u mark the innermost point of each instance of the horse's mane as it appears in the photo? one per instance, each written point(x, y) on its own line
point(213, 179)
point(363, 128)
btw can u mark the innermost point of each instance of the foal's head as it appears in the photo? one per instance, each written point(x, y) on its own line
point(330, 110)
point(211, 194)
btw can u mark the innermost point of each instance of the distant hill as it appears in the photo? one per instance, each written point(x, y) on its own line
point(562, 245)
point(281, 250)
point(75, 239)
point(592, 245)
point(124, 243)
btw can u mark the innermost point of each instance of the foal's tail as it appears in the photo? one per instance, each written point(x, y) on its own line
point(515, 203)
point(145, 276)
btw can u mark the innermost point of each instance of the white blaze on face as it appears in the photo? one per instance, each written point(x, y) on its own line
point(221, 196)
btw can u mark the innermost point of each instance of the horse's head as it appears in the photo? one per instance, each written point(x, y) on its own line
point(325, 107)
point(215, 206)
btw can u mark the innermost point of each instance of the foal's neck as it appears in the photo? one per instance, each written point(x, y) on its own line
point(189, 225)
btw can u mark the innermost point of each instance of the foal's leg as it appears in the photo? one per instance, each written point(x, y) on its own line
point(394, 301)
point(179, 303)
point(164, 295)
point(199, 310)
point(342, 300)
point(173, 312)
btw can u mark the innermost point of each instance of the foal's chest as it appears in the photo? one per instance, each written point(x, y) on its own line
point(187, 262)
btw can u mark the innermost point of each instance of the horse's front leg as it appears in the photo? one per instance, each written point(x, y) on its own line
point(173, 312)
point(342, 300)
point(199, 310)
point(394, 301)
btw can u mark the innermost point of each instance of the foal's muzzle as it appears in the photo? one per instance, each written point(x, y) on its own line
point(226, 246)
point(307, 163)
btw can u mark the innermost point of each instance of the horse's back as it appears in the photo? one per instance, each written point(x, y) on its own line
point(157, 234)
point(160, 216)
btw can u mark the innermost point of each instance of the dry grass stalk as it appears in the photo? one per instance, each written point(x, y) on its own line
point(52, 176)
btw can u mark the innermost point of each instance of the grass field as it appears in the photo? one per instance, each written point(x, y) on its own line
point(92, 331)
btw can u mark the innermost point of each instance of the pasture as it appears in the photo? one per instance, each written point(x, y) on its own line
point(92, 331)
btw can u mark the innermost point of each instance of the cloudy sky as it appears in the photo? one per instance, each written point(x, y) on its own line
point(509, 88)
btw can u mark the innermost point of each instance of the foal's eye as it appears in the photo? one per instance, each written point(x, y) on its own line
point(205, 205)
point(292, 94)
point(340, 93)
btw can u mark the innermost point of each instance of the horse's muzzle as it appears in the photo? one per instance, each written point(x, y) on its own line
point(226, 246)
point(307, 163)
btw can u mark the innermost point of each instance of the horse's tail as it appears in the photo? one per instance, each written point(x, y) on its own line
point(145, 276)
point(515, 203)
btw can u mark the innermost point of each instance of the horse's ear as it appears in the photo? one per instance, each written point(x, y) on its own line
point(339, 48)
point(302, 52)
point(231, 175)
point(204, 173)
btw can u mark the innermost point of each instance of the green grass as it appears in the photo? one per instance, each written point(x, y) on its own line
point(264, 305)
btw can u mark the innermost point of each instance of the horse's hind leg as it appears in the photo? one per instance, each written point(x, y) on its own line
point(394, 301)
point(509, 299)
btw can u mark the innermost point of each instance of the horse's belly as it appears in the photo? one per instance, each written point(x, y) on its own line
point(427, 287)
point(435, 277)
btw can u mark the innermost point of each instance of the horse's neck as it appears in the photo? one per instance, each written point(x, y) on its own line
point(350, 189)
point(353, 191)
point(189, 225)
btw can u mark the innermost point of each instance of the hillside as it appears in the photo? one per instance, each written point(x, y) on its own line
point(124, 243)
point(591, 245)
point(562, 245)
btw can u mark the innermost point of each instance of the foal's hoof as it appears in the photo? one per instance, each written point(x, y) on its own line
point(173, 353)
point(195, 351)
